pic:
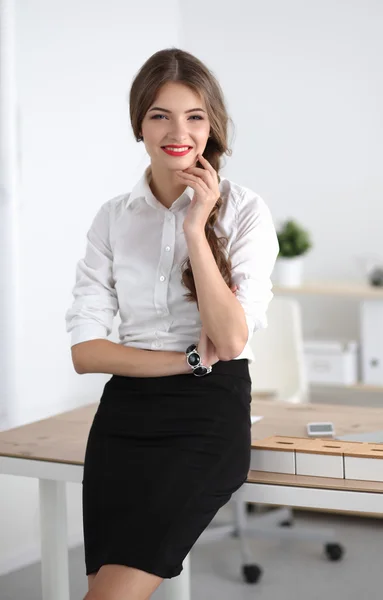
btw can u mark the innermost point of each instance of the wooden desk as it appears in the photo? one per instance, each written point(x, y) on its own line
point(53, 451)
point(281, 418)
point(62, 438)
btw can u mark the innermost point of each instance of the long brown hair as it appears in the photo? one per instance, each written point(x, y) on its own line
point(173, 64)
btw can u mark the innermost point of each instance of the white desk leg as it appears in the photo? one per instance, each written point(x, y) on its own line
point(178, 588)
point(54, 544)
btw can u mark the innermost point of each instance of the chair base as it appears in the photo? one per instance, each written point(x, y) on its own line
point(274, 524)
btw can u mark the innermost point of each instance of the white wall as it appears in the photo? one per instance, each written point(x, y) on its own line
point(304, 86)
point(75, 61)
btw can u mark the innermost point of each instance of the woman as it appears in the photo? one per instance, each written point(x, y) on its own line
point(166, 450)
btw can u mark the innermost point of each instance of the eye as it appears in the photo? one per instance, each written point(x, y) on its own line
point(198, 117)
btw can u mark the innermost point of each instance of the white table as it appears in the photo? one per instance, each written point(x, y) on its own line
point(53, 450)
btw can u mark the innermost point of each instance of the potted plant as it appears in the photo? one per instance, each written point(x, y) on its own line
point(294, 242)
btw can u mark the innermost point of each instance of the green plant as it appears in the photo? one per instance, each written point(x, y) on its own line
point(293, 240)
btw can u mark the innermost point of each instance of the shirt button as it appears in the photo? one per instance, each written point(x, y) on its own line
point(162, 278)
point(158, 344)
point(167, 248)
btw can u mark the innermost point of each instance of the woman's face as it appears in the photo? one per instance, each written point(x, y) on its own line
point(175, 122)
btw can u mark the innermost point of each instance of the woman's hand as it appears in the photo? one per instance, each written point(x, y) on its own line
point(206, 348)
point(206, 193)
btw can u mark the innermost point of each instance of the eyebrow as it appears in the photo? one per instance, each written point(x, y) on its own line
point(169, 111)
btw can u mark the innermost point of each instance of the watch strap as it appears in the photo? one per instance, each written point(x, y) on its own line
point(194, 361)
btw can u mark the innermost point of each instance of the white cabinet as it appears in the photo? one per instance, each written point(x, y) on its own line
point(331, 362)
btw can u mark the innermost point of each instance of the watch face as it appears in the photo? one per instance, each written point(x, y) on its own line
point(193, 359)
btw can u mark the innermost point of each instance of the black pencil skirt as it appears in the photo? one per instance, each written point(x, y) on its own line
point(163, 455)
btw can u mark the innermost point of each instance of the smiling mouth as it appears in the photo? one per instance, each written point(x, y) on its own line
point(169, 147)
point(176, 150)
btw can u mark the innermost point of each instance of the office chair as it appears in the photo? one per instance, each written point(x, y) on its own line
point(279, 366)
point(279, 371)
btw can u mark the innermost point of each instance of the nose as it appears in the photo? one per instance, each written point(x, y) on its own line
point(178, 132)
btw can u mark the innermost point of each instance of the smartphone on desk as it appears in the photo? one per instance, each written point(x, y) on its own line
point(320, 429)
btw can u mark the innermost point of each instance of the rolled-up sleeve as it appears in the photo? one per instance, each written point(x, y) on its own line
point(95, 299)
point(253, 255)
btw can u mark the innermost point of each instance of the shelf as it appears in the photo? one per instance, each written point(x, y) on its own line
point(347, 289)
point(332, 288)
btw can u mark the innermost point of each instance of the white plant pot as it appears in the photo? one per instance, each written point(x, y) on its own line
point(289, 271)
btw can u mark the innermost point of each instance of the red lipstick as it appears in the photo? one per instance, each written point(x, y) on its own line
point(176, 153)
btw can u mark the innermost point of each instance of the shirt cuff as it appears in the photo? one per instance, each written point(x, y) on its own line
point(255, 323)
point(85, 333)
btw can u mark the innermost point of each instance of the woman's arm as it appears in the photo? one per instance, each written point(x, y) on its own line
point(221, 313)
point(90, 317)
point(104, 356)
point(230, 322)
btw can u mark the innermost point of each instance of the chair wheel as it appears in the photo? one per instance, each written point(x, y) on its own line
point(251, 573)
point(334, 551)
point(287, 523)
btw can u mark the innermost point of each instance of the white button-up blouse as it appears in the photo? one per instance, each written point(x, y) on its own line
point(132, 264)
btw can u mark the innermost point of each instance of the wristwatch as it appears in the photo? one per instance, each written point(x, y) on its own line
point(194, 361)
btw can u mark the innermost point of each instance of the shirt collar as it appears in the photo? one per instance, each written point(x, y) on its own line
point(142, 191)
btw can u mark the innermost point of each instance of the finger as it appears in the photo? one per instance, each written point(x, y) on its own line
point(206, 164)
point(205, 175)
point(194, 182)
